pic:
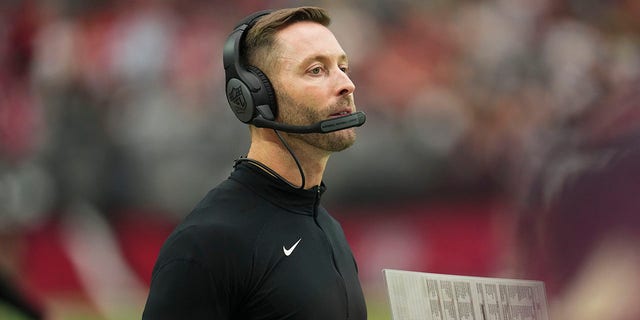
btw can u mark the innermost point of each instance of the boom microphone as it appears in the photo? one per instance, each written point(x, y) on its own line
point(330, 125)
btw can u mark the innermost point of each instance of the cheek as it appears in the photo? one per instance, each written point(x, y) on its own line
point(299, 107)
point(304, 114)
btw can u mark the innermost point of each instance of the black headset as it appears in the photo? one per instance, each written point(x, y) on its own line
point(251, 95)
point(249, 91)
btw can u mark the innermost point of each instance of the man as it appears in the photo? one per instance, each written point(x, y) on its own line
point(260, 245)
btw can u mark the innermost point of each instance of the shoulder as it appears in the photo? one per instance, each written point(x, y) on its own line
point(224, 225)
point(207, 235)
point(328, 220)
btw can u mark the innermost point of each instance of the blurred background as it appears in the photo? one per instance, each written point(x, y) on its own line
point(502, 140)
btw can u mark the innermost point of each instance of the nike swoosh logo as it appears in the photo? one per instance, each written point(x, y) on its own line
point(287, 252)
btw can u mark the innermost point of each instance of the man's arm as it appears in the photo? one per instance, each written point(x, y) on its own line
point(182, 289)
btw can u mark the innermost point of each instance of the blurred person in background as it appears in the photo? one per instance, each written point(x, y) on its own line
point(578, 226)
point(580, 232)
point(260, 245)
point(22, 181)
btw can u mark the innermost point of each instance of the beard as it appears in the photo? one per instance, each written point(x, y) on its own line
point(300, 114)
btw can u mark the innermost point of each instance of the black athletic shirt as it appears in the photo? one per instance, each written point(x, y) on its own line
point(256, 248)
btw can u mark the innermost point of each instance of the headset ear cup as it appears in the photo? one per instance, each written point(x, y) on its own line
point(269, 94)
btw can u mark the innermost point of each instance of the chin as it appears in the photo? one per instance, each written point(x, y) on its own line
point(330, 142)
point(341, 140)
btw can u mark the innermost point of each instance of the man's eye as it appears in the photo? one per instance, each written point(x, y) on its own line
point(316, 70)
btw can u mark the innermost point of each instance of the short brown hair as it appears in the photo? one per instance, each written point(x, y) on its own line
point(260, 39)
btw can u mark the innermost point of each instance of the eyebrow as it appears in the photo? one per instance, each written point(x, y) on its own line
point(322, 57)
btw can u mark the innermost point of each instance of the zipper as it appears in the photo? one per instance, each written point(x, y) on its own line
point(333, 257)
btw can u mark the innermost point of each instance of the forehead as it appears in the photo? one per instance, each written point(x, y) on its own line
point(306, 39)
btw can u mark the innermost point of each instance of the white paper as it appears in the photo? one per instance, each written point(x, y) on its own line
point(432, 296)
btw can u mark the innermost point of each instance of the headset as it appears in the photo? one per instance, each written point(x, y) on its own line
point(251, 95)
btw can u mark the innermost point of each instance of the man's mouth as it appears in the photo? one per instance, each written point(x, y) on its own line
point(340, 114)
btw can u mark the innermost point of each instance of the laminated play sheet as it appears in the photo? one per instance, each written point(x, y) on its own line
point(431, 296)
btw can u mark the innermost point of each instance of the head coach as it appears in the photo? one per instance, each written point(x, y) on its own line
point(260, 245)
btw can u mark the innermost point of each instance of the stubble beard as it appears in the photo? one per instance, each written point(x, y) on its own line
point(328, 142)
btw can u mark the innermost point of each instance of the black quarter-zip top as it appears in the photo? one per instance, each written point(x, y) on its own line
point(256, 248)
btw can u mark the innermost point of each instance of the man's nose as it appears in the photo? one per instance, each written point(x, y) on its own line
point(345, 85)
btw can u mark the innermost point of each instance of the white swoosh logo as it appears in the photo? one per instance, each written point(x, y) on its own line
point(287, 252)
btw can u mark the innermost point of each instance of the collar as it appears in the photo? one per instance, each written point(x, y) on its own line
point(276, 191)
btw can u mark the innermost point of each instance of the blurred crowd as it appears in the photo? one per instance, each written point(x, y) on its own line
point(119, 104)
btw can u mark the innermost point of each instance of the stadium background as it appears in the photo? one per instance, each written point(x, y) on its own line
point(113, 123)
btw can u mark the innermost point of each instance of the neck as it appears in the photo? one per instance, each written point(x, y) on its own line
point(268, 149)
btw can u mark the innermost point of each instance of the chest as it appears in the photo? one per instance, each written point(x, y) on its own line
point(303, 269)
